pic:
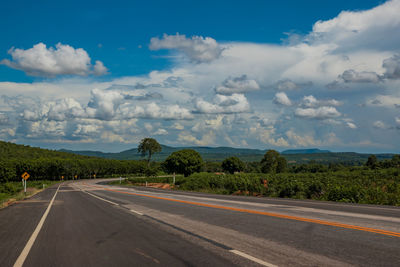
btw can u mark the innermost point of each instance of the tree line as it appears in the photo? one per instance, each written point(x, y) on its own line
point(48, 164)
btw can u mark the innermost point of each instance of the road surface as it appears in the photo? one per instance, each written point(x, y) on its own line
point(87, 223)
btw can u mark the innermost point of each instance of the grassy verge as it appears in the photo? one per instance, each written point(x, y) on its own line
point(353, 186)
point(14, 191)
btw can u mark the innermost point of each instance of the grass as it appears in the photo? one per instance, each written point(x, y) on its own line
point(14, 191)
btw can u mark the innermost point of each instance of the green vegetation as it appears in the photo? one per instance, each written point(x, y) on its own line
point(375, 180)
point(14, 190)
point(218, 154)
point(356, 186)
point(43, 164)
point(149, 146)
point(272, 162)
point(186, 162)
point(378, 182)
point(232, 165)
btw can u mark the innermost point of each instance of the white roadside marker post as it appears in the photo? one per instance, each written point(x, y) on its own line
point(174, 179)
point(120, 180)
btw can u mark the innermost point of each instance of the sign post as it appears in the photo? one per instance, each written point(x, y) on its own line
point(25, 177)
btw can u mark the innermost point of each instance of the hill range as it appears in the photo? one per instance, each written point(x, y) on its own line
point(293, 156)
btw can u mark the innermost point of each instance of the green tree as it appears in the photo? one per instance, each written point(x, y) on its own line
point(281, 165)
point(273, 162)
point(232, 165)
point(149, 146)
point(372, 162)
point(186, 162)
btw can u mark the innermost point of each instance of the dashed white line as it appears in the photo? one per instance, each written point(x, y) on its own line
point(244, 255)
point(21, 259)
point(134, 211)
point(116, 204)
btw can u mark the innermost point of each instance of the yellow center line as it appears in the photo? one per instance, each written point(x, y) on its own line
point(277, 215)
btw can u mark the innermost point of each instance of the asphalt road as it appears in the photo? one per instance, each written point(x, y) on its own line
point(89, 224)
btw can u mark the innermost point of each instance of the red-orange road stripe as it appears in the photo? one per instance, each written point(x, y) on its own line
point(277, 215)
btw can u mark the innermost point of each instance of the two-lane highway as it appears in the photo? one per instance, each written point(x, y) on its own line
point(92, 224)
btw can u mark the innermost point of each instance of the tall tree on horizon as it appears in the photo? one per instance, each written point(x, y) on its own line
point(149, 146)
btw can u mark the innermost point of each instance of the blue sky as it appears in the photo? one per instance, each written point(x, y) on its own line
point(261, 74)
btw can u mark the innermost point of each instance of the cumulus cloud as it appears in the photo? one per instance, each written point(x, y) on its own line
point(352, 76)
point(392, 67)
point(379, 125)
point(288, 85)
point(235, 103)
point(320, 113)
point(362, 29)
point(155, 111)
point(150, 96)
point(387, 101)
point(311, 102)
point(282, 99)
point(301, 140)
point(3, 118)
point(207, 139)
point(161, 132)
point(397, 120)
point(103, 104)
point(351, 125)
point(241, 84)
point(49, 62)
point(196, 48)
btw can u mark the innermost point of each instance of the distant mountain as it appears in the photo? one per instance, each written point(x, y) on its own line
point(305, 151)
point(208, 153)
point(293, 156)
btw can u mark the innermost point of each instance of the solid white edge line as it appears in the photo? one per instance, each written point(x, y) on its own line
point(102, 198)
point(21, 259)
point(134, 211)
point(244, 255)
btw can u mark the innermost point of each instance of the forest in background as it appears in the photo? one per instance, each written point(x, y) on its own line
point(372, 181)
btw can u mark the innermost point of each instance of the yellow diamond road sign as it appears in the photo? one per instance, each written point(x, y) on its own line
point(25, 175)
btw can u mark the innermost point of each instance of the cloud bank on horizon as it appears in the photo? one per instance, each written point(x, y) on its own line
point(336, 87)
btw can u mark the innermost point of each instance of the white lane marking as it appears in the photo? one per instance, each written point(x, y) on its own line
point(244, 255)
point(21, 259)
point(134, 211)
point(101, 198)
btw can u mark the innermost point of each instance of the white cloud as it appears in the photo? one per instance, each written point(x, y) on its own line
point(301, 140)
point(282, 99)
point(388, 101)
point(362, 29)
point(99, 68)
point(352, 76)
point(235, 103)
point(236, 85)
point(49, 62)
point(392, 67)
point(311, 102)
point(154, 111)
point(288, 85)
point(161, 132)
point(197, 48)
point(379, 125)
point(207, 139)
point(397, 120)
point(177, 126)
point(320, 113)
point(3, 118)
point(351, 125)
point(103, 104)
